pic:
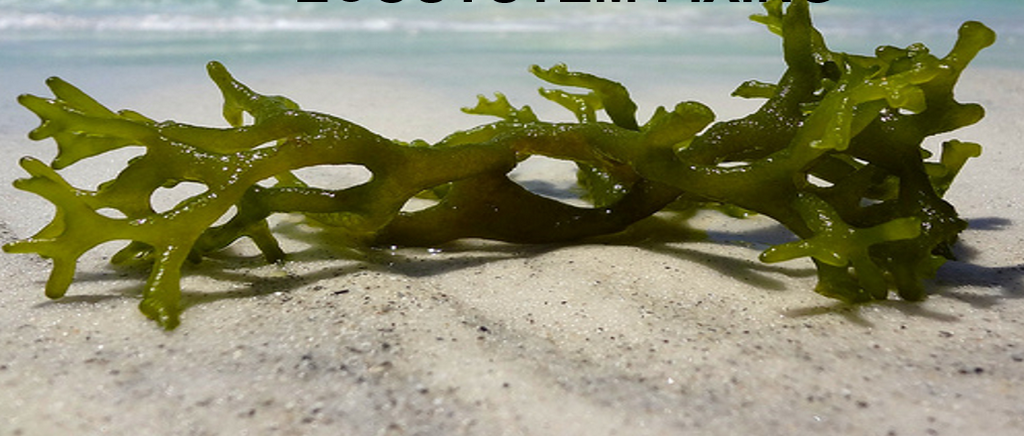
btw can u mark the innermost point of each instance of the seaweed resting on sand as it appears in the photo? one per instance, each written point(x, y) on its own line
point(878, 223)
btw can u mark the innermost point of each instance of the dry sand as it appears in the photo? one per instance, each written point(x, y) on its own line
point(660, 332)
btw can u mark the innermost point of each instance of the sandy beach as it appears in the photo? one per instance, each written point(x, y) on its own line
point(670, 329)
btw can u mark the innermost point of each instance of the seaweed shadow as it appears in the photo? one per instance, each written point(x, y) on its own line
point(665, 233)
point(853, 312)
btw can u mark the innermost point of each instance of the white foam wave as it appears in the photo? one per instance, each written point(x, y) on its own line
point(266, 16)
point(297, 19)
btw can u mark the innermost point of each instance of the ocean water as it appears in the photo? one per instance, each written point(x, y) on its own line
point(445, 52)
point(133, 31)
point(663, 52)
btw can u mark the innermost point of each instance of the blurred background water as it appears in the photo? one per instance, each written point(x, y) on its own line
point(133, 31)
point(663, 52)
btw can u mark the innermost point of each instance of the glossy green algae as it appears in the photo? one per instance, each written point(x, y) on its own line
point(856, 122)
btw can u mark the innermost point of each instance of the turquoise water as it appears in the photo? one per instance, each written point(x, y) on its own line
point(134, 31)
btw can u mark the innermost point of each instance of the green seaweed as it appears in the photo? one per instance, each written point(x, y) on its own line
point(877, 222)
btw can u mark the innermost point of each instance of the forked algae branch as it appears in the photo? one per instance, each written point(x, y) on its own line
point(876, 224)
